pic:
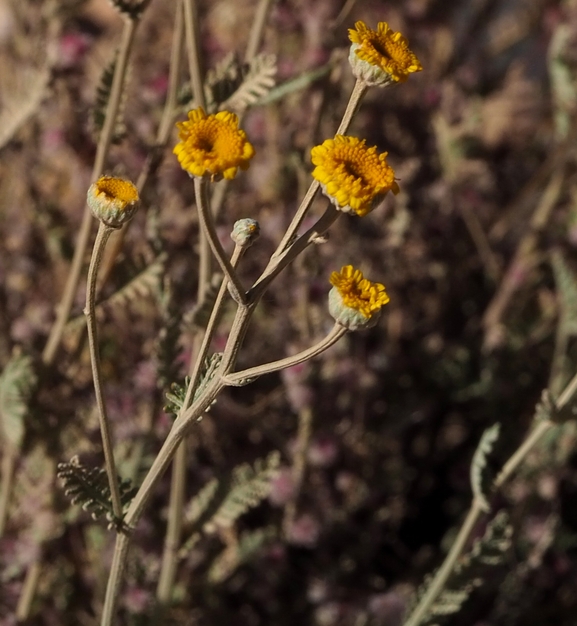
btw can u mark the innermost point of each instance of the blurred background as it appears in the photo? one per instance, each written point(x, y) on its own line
point(478, 254)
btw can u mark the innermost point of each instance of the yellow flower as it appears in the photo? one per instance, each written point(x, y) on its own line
point(354, 301)
point(380, 57)
point(112, 200)
point(354, 177)
point(212, 145)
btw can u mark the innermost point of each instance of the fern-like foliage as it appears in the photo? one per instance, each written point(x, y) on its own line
point(239, 553)
point(249, 486)
point(470, 573)
point(21, 94)
point(88, 487)
point(478, 478)
point(177, 394)
point(223, 80)
point(168, 348)
point(131, 8)
point(101, 103)
point(147, 283)
point(17, 383)
point(221, 502)
point(257, 82)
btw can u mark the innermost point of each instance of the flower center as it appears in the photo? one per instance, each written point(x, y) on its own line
point(380, 47)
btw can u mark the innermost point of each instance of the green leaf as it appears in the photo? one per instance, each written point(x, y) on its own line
point(17, 383)
point(89, 488)
point(479, 463)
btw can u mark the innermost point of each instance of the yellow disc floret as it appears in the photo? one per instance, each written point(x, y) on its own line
point(353, 176)
point(113, 200)
point(212, 145)
point(355, 302)
point(381, 56)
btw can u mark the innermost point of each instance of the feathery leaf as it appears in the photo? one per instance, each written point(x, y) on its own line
point(17, 383)
point(479, 463)
point(88, 487)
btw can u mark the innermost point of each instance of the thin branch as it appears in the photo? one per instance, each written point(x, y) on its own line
point(105, 430)
point(257, 29)
point(105, 139)
point(237, 378)
point(192, 30)
point(206, 221)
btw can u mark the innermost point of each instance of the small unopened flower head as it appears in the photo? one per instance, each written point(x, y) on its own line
point(212, 145)
point(355, 178)
point(245, 232)
point(113, 200)
point(381, 57)
point(354, 301)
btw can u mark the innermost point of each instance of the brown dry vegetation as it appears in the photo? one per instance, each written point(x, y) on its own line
point(476, 253)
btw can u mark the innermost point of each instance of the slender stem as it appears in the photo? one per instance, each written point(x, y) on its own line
point(353, 104)
point(104, 142)
point(8, 467)
point(277, 264)
point(253, 372)
point(257, 29)
point(105, 429)
point(206, 221)
point(476, 510)
point(305, 421)
point(193, 50)
point(28, 590)
point(445, 570)
point(174, 528)
point(163, 135)
point(210, 330)
point(356, 96)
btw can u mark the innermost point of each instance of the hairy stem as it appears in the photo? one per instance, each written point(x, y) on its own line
point(253, 372)
point(178, 482)
point(104, 142)
point(206, 220)
point(102, 236)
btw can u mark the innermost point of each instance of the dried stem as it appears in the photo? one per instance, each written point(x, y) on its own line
point(177, 488)
point(164, 130)
point(8, 466)
point(174, 527)
point(192, 30)
point(105, 140)
point(105, 430)
point(257, 29)
point(477, 508)
point(28, 590)
point(305, 421)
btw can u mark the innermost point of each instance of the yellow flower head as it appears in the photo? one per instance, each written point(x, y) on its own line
point(380, 57)
point(354, 301)
point(212, 145)
point(354, 177)
point(112, 200)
